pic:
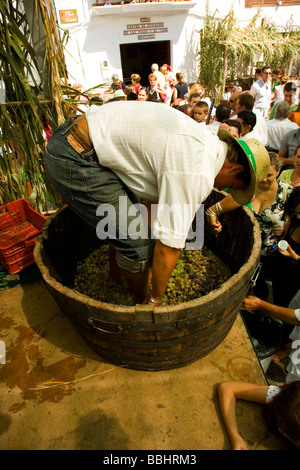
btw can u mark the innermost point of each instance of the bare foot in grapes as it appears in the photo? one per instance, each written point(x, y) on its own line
point(117, 281)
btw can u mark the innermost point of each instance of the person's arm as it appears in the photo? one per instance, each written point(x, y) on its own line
point(285, 314)
point(164, 261)
point(286, 227)
point(228, 393)
point(283, 157)
point(274, 94)
point(290, 253)
point(225, 205)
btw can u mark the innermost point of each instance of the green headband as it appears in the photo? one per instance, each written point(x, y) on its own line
point(248, 152)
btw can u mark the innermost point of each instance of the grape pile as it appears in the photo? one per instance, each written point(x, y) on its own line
point(195, 274)
point(92, 276)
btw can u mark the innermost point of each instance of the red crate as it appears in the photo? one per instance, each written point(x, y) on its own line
point(19, 227)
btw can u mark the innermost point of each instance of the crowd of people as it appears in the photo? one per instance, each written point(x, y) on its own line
point(265, 112)
point(163, 87)
point(260, 101)
point(260, 123)
point(269, 112)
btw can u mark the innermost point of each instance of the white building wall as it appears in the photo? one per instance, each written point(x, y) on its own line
point(95, 39)
point(279, 14)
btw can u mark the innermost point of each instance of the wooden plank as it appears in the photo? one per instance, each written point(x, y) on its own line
point(269, 3)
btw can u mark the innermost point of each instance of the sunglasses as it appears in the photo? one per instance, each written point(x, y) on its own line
point(268, 73)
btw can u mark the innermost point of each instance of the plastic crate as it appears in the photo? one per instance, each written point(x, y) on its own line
point(19, 227)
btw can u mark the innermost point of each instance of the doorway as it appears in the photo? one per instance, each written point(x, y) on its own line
point(138, 58)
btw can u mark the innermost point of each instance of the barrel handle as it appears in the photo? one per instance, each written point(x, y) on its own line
point(91, 323)
point(255, 275)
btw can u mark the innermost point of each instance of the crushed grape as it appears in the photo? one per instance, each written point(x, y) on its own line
point(196, 274)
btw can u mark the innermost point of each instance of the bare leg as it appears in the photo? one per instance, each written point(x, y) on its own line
point(138, 283)
point(116, 275)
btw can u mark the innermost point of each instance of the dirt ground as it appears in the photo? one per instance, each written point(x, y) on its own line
point(58, 394)
point(274, 373)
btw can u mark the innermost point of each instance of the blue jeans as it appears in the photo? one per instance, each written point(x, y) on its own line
point(86, 186)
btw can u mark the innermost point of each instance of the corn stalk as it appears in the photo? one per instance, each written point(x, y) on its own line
point(213, 52)
point(29, 100)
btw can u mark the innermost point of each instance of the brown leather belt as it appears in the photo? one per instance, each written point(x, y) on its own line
point(80, 131)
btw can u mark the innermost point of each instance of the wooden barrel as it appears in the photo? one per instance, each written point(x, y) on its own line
point(146, 337)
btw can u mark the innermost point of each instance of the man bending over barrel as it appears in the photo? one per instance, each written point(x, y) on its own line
point(118, 154)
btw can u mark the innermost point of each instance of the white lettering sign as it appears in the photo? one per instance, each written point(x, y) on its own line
point(145, 29)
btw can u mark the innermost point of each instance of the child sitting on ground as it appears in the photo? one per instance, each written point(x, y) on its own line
point(200, 112)
point(281, 409)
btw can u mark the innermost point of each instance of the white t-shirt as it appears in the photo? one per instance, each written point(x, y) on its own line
point(279, 94)
point(259, 131)
point(161, 155)
point(262, 94)
point(260, 128)
point(277, 130)
point(160, 78)
point(213, 127)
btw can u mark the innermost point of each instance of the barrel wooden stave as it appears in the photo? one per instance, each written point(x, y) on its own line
point(145, 337)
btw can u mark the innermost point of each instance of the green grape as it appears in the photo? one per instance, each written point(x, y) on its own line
point(195, 274)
